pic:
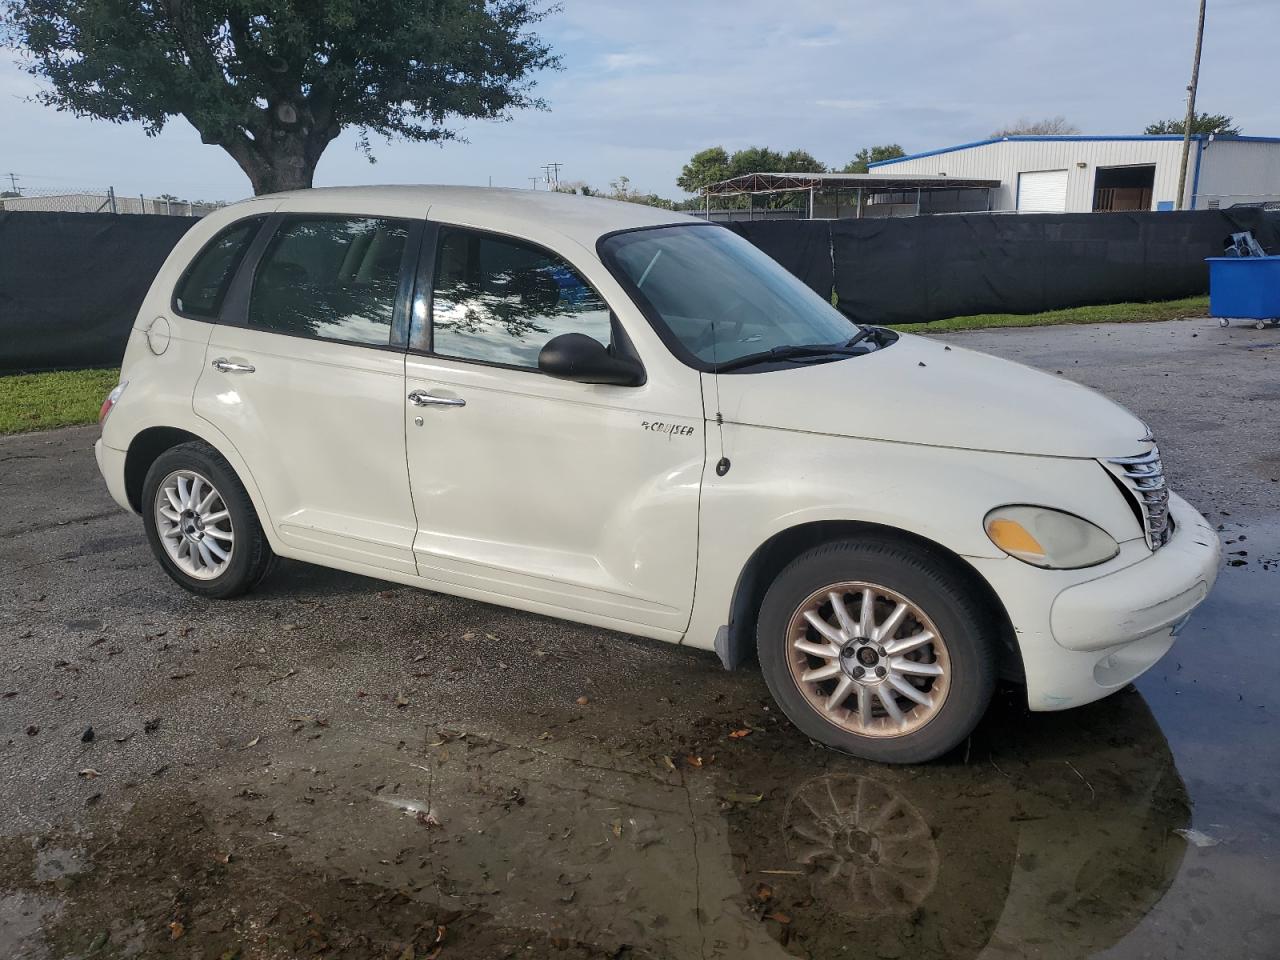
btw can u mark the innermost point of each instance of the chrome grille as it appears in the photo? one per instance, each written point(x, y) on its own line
point(1143, 476)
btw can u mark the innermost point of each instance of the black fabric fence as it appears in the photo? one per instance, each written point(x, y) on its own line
point(915, 269)
point(912, 270)
point(926, 268)
point(71, 284)
point(802, 246)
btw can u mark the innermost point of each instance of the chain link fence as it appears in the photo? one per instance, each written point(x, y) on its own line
point(55, 200)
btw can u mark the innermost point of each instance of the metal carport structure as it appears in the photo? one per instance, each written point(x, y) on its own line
point(860, 186)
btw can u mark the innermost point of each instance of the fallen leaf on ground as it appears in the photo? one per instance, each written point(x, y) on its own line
point(764, 892)
point(739, 734)
point(744, 797)
point(582, 701)
point(401, 700)
point(693, 761)
point(254, 742)
point(89, 773)
point(779, 916)
point(1197, 837)
point(176, 930)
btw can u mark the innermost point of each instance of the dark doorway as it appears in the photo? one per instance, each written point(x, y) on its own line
point(1123, 188)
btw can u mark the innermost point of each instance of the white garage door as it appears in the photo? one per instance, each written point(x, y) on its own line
point(1044, 191)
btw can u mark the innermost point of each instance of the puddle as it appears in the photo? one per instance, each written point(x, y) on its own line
point(1059, 830)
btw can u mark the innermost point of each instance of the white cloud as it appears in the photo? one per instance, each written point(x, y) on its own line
point(641, 91)
point(626, 61)
point(857, 106)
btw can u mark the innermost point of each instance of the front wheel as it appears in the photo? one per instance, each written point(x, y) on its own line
point(201, 523)
point(878, 648)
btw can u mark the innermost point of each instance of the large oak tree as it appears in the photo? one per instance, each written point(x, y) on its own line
point(273, 83)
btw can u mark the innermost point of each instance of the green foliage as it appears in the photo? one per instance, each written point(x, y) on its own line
point(1218, 123)
point(863, 159)
point(704, 167)
point(1048, 127)
point(273, 83)
point(42, 401)
point(1107, 313)
point(802, 161)
point(715, 164)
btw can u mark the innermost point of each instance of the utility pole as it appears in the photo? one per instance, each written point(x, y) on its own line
point(13, 181)
point(533, 183)
point(1191, 109)
point(552, 171)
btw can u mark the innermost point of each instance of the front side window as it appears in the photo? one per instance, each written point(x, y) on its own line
point(331, 278)
point(200, 291)
point(499, 301)
point(719, 297)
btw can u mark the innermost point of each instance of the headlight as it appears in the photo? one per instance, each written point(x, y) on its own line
point(1049, 538)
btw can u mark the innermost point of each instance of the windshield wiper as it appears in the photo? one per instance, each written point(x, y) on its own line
point(791, 351)
point(864, 333)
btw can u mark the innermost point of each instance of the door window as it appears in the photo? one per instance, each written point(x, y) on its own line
point(331, 278)
point(499, 301)
point(202, 287)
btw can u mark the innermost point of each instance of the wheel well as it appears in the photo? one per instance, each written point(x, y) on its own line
point(143, 451)
point(779, 550)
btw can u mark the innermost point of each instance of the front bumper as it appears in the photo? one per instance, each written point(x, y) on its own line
point(1085, 633)
point(111, 466)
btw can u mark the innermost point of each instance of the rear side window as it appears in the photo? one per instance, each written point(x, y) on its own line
point(200, 291)
point(331, 278)
point(499, 301)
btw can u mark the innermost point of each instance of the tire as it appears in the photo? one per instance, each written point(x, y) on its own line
point(954, 673)
point(232, 528)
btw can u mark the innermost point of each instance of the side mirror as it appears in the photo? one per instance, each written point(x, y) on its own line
point(575, 356)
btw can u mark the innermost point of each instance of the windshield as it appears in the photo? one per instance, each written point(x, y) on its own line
point(720, 297)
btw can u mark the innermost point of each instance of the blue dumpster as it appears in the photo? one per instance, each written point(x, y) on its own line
point(1245, 288)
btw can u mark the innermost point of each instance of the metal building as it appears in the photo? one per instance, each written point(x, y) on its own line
point(1080, 174)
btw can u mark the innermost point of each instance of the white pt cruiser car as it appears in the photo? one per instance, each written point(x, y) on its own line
point(634, 419)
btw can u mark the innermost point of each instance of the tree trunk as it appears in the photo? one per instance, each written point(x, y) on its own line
point(279, 159)
point(285, 164)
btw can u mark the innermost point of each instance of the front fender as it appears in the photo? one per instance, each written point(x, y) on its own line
point(781, 479)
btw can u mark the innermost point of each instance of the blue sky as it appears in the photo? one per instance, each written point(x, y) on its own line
point(646, 85)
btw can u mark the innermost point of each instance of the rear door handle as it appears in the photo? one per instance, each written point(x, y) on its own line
point(231, 366)
point(420, 398)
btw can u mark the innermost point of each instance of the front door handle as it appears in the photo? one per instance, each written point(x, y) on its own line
point(231, 366)
point(420, 398)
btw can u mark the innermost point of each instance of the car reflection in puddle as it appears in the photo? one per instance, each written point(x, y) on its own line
point(872, 854)
point(1056, 837)
point(1054, 834)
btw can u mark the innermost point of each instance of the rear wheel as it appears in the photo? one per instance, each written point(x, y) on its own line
point(878, 648)
point(201, 523)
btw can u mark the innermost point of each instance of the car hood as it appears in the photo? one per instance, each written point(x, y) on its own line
point(924, 392)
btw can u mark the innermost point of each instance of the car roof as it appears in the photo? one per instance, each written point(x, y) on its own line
point(521, 212)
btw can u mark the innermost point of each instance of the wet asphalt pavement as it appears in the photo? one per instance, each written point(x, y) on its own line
point(335, 766)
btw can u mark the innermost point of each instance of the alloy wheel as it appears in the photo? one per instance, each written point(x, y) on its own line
point(194, 524)
point(867, 659)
